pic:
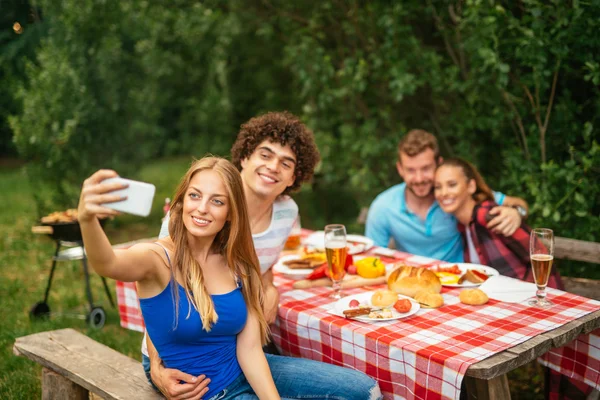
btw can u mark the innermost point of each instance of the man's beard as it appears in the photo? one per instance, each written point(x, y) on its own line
point(410, 187)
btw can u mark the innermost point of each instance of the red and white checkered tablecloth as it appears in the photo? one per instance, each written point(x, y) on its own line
point(129, 306)
point(579, 359)
point(424, 356)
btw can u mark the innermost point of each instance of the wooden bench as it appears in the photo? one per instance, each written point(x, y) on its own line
point(579, 250)
point(75, 365)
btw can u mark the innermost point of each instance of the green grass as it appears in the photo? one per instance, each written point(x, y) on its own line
point(25, 261)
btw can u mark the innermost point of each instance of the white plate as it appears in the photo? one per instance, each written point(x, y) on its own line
point(365, 298)
point(291, 273)
point(489, 271)
point(356, 243)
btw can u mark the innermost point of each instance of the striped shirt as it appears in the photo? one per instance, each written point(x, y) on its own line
point(269, 243)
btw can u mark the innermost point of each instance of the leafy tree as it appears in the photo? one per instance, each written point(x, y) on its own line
point(513, 86)
point(508, 85)
point(20, 31)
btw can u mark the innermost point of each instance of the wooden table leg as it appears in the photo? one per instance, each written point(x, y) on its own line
point(493, 389)
point(57, 387)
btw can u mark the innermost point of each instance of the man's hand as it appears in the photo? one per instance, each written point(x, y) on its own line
point(506, 221)
point(168, 381)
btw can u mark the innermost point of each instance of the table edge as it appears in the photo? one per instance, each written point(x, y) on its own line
point(533, 348)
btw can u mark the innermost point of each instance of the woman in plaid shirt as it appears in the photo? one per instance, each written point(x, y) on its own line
point(461, 191)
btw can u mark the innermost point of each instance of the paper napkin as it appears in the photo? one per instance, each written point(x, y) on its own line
point(507, 289)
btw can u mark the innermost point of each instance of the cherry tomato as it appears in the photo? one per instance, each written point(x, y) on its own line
point(403, 306)
point(354, 303)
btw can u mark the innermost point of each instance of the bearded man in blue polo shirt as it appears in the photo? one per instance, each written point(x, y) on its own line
point(409, 214)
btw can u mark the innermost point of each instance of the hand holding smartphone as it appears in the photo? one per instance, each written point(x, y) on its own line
point(139, 197)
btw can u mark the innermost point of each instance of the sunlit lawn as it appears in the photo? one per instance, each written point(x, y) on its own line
point(25, 261)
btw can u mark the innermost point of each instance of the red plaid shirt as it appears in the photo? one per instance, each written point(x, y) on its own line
point(508, 255)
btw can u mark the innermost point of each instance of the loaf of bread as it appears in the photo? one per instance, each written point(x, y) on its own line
point(384, 298)
point(429, 300)
point(473, 297)
point(409, 281)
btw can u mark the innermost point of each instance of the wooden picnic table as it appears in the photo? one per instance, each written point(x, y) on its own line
point(398, 355)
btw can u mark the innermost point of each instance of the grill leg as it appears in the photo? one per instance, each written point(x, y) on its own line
point(51, 272)
point(112, 303)
point(88, 290)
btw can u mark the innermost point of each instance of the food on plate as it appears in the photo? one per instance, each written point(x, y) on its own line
point(384, 298)
point(357, 312)
point(448, 278)
point(381, 314)
point(403, 306)
point(473, 297)
point(370, 267)
point(352, 269)
point(429, 300)
point(453, 269)
point(474, 276)
point(313, 256)
point(67, 216)
point(298, 263)
point(356, 246)
point(409, 281)
point(354, 303)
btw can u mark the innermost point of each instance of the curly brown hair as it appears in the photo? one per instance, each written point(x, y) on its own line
point(283, 128)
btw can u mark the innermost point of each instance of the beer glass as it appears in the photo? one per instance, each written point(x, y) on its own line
point(541, 249)
point(335, 249)
point(293, 240)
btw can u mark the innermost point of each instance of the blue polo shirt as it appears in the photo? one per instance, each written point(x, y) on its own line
point(437, 236)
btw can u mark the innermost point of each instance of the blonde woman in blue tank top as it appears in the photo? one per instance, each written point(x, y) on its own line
point(201, 294)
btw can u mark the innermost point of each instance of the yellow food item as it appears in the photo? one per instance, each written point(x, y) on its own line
point(314, 256)
point(447, 278)
point(370, 267)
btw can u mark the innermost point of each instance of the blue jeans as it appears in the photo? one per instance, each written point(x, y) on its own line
point(300, 378)
point(146, 365)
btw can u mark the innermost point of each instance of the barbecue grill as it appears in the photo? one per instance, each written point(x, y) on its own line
point(68, 234)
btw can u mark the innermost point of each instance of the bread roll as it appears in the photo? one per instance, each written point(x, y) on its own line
point(429, 300)
point(473, 297)
point(384, 298)
point(411, 280)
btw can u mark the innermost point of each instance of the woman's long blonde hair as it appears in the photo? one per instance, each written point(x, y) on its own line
point(482, 191)
point(234, 242)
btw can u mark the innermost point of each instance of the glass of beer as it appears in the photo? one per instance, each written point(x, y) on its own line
point(293, 241)
point(541, 248)
point(335, 249)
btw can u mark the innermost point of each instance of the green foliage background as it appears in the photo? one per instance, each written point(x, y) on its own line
point(514, 86)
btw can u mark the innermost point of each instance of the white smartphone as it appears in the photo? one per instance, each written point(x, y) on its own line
point(139, 197)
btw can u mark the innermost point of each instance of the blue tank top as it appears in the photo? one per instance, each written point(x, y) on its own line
point(188, 347)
